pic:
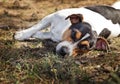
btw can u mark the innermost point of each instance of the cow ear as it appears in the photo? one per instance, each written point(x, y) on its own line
point(102, 44)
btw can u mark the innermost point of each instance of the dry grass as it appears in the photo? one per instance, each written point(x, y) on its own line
point(34, 62)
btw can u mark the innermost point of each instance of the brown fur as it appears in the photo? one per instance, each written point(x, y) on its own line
point(66, 35)
point(85, 43)
point(78, 51)
point(78, 34)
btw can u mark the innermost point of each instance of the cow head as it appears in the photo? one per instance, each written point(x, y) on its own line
point(79, 38)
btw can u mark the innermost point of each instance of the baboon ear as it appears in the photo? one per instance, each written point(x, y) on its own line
point(102, 44)
point(80, 16)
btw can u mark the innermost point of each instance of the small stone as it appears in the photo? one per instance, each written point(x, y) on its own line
point(77, 62)
point(34, 17)
point(107, 69)
point(97, 67)
point(84, 60)
point(117, 58)
point(101, 55)
point(16, 4)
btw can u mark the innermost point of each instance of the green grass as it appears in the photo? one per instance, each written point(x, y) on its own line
point(32, 62)
point(20, 65)
point(30, 70)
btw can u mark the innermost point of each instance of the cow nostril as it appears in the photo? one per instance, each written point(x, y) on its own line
point(63, 51)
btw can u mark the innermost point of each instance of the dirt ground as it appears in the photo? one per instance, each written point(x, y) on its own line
point(35, 61)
